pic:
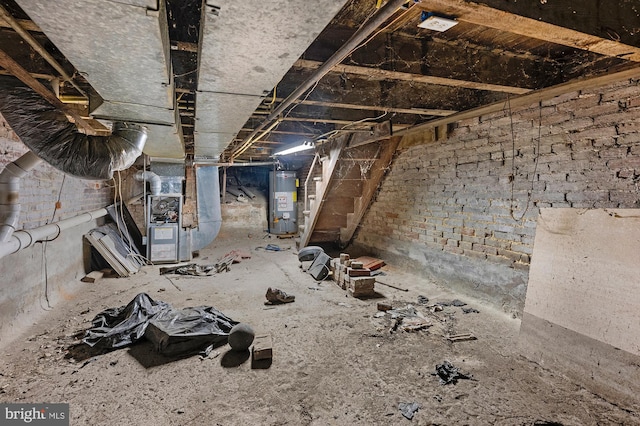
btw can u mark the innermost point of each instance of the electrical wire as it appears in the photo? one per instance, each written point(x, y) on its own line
point(45, 268)
point(513, 167)
point(273, 100)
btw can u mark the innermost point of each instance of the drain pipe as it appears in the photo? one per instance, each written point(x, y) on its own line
point(10, 191)
point(384, 13)
point(21, 240)
point(154, 180)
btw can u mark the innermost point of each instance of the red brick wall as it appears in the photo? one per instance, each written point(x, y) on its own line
point(452, 199)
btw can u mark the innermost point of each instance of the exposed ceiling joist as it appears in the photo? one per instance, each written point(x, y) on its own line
point(493, 18)
point(24, 23)
point(418, 111)
point(528, 99)
point(418, 78)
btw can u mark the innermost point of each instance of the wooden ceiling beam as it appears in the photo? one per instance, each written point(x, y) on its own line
point(417, 111)
point(524, 100)
point(24, 23)
point(486, 16)
point(418, 78)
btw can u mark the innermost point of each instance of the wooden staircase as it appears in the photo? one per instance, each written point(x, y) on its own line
point(344, 189)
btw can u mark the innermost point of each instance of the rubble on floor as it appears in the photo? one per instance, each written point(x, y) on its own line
point(222, 265)
point(448, 374)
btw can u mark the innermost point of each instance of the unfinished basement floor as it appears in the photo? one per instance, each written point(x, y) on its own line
point(334, 362)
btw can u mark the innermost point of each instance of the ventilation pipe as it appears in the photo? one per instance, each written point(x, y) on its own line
point(155, 182)
point(10, 190)
point(26, 238)
point(51, 136)
point(209, 210)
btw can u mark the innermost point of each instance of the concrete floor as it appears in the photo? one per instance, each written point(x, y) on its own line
point(334, 362)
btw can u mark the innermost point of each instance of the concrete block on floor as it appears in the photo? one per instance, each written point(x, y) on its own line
point(262, 351)
point(362, 286)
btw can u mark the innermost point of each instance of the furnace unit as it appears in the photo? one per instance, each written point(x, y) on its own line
point(164, 218)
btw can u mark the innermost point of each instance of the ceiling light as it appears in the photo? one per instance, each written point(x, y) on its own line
point(297, 147)
point(437, 23)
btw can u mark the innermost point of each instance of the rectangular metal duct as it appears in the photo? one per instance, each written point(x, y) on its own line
point(246, 49)
point(122, 48)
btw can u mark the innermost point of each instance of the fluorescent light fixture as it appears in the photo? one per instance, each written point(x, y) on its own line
point(437, 23)
point(297, 147)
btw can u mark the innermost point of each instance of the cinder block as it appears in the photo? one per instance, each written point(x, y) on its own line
point(362, 286)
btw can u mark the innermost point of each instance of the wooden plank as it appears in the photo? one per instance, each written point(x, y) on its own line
point(24, 23)
point(381, 74)
point(92, 277)
point(327, 177)
point(380, 131)
point(524, 100)
point(583, 261)
point(371, 263)
point(486, 16)
point(418, 111)
point(23, 75)
point(581, 310)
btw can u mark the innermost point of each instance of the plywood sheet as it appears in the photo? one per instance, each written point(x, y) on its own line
point(585, 274)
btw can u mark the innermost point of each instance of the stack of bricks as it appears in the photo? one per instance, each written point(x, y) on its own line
point(353, 277)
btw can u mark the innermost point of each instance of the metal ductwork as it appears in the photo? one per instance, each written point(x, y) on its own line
point(50, 135)
point(10, 191)
point(136, 85)
point(209, 212)
point(244, 55)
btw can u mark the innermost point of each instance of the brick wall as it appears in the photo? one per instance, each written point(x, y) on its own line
point(465, 208)
point(33, 278)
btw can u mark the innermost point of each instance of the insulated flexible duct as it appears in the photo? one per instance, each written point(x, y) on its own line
point(50, 135)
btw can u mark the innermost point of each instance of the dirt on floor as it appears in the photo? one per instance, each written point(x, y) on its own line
point(336, 359)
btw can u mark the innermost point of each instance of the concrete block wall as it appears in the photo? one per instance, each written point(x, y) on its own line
point(465, 208)
point(32, 280)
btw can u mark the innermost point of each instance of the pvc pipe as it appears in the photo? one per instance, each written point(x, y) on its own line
point(10, 192)
point(154, 181)
point(21, 240)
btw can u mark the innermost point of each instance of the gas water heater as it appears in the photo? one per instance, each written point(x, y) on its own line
point(283, 199)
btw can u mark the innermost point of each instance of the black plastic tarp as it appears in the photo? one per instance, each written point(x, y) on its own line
point(172, 331)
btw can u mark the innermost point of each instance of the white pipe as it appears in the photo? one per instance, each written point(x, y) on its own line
point(10, 192)
point(154, 181)
point(26, 238)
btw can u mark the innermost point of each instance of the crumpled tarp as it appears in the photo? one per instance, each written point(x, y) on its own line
point(173, 331)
